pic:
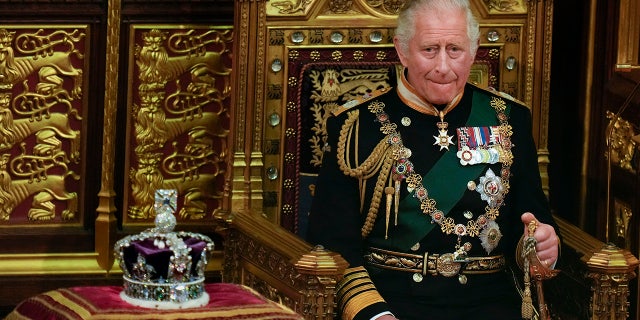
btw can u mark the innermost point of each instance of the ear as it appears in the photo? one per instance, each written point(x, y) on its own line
point(400, 51)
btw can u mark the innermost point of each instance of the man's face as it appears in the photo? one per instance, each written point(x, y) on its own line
point(438, 56)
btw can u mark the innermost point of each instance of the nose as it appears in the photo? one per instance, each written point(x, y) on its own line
point(442, 62)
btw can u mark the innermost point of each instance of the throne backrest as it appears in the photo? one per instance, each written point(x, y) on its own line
point(321, 54)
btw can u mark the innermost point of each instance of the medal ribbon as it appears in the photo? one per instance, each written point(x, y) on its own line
point(447, 192)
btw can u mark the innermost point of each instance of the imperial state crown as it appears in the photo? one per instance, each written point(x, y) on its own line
point(163, 269)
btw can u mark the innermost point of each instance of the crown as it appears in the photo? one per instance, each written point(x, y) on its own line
point(163, 269)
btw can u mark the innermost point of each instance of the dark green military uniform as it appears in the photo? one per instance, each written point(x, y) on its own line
point(342, 204)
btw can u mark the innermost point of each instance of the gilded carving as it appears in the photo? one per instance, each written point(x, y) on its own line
point(336, 7)
point(340, 6)
point(40, 109)
point(390, 7)
point(355, 35)
point(622, 213)
point(610, 270)
point(610, 294)
point(314, 294)
point(274, 92)
point(512, 34)
point(316, 36)
point(506, 6)
point(260, 59)
point(157, 67)
point(291, 7)
point(179, 119)
point(276, 37)
point(622, 143)
point(41, 48)
point(45, 188)
point(330, 89)
point(268, 291)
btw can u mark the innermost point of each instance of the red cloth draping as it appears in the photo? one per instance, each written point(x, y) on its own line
point(226, 302)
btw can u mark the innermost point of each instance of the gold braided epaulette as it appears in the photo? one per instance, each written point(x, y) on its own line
point(501, 94)
point(360, 100)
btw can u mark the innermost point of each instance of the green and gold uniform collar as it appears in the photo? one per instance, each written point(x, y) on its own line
point(410, 97)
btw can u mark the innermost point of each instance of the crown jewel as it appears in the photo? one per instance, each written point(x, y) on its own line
point(163, 269)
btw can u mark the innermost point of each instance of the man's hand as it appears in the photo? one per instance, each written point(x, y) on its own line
point(546, 238)
point(387, 317)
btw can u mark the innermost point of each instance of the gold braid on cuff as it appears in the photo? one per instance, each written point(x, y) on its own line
point(355, 292)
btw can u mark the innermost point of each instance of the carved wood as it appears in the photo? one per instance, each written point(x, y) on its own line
point(281, 266)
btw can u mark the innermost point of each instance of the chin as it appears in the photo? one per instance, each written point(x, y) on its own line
point(440, 98)
point(440, 95)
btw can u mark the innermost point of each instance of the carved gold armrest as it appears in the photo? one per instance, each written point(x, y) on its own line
point(281, 266)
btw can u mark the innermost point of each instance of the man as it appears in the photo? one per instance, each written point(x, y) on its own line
point(427, 188)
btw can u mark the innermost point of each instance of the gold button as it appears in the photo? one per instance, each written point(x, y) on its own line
point(471, 185)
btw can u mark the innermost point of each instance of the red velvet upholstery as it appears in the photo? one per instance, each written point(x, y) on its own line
point(226, 302)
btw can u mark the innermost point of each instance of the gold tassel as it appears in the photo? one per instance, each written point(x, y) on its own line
point(397, 200)
point(527, 303)
point(389, 191)
point(529, 245)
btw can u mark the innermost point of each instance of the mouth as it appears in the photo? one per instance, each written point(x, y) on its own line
point(441, 81)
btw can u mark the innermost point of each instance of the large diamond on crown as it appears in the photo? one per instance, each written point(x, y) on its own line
point(163, 269)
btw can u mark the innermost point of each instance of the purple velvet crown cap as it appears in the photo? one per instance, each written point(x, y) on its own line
point(157, 258)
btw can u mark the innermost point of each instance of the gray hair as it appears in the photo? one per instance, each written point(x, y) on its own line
point(409, 12)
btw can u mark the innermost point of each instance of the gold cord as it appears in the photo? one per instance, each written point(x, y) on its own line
point(379, 161)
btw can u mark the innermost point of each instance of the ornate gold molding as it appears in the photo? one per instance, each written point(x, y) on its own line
point(537, 77)
point(628, 35)
point(105, 224)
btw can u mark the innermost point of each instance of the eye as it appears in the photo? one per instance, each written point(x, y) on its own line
point(430, 51)
point(454, 51)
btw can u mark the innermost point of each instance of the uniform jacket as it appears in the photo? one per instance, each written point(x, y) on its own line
point(342, 202)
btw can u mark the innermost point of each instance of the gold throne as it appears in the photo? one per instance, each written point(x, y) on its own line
point(311, 56)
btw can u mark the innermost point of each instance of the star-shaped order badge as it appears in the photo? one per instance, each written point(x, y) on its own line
point(443, 139)
point(491, 188)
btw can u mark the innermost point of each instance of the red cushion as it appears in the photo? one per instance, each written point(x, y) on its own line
point(226, 301)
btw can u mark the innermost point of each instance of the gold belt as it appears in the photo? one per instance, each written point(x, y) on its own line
point(433, 264)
